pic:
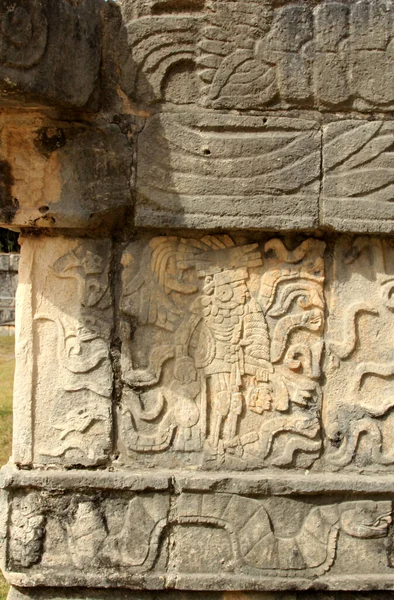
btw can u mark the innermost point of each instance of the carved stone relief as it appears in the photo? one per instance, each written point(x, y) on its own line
point(120, 536)
point(247, 54)
point(239, 171)
point(28, 530)
point(225, 361)
point(205, 361)
point(64, 287)
point(360, 369)
point(358, 175)
point(23, 36)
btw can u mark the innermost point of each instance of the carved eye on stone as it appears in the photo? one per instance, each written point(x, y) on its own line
point(23, 35)
point(304, 301)
point(387, 294)
point(19, 27)
point(224, 293)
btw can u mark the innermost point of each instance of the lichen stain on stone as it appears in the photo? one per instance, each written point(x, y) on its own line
point(36, 176)
point(49, 139)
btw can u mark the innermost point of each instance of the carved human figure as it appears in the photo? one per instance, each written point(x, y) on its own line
point(225, 352)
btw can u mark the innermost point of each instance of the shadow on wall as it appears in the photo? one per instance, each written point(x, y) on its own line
point(9, 241)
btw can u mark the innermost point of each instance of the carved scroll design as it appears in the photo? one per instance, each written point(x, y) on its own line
point(359, 421)
point(84, 372)
point(237, 359)
point(23, 33)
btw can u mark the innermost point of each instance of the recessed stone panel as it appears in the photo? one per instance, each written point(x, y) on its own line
point(358, 415)
point(197, 170)
point(223, 366)
point(358, 176)
point(62, 395)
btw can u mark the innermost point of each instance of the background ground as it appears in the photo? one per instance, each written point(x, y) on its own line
point(7, 366)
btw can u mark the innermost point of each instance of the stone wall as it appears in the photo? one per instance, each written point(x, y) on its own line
point(8, 284)
point(203, 402)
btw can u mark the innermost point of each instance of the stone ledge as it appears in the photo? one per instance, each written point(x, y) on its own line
point(177, 481)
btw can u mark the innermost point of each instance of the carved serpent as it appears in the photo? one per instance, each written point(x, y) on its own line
point(254, 543)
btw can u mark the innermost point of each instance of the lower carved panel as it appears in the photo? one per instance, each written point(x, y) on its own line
point(200, 540)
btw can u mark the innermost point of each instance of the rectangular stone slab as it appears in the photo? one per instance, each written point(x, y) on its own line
point(195, 540)
point(62, 394)
point(358, 176)
point(219, 356)
point(63, 175)
point(196, 170)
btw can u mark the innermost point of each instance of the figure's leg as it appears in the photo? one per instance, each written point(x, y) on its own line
point(235, 409)
point(220, 403)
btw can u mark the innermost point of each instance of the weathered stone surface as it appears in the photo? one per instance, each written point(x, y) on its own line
point(217, 371)
point(61, 174)
point(223, 368)
point(82, 594)
point(203, 395)
point(194, 170)
point(202, 539)
point(358, 176)
point(247, 54)
point(63, 391)
point(360, 370)
point(50, 52)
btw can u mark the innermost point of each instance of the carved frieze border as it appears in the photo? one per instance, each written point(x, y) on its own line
point(103, 529)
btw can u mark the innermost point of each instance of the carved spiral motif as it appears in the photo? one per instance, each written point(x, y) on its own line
point(23, 34)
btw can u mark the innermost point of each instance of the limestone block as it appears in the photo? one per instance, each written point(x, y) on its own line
point(359, 391)
point(63, 380)
point(198, 170)
point(202, 540)
point(222, 364)
point(60, 174)
point(50, 52)
point(358, 176)
point(251, 55)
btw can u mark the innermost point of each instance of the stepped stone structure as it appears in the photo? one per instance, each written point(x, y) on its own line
point(204, 391)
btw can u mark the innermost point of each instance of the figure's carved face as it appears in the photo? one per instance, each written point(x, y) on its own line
point(235, 292)
point(29, 504)
point(367, 519)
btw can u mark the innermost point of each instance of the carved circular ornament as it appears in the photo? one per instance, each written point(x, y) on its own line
point(23, 33)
